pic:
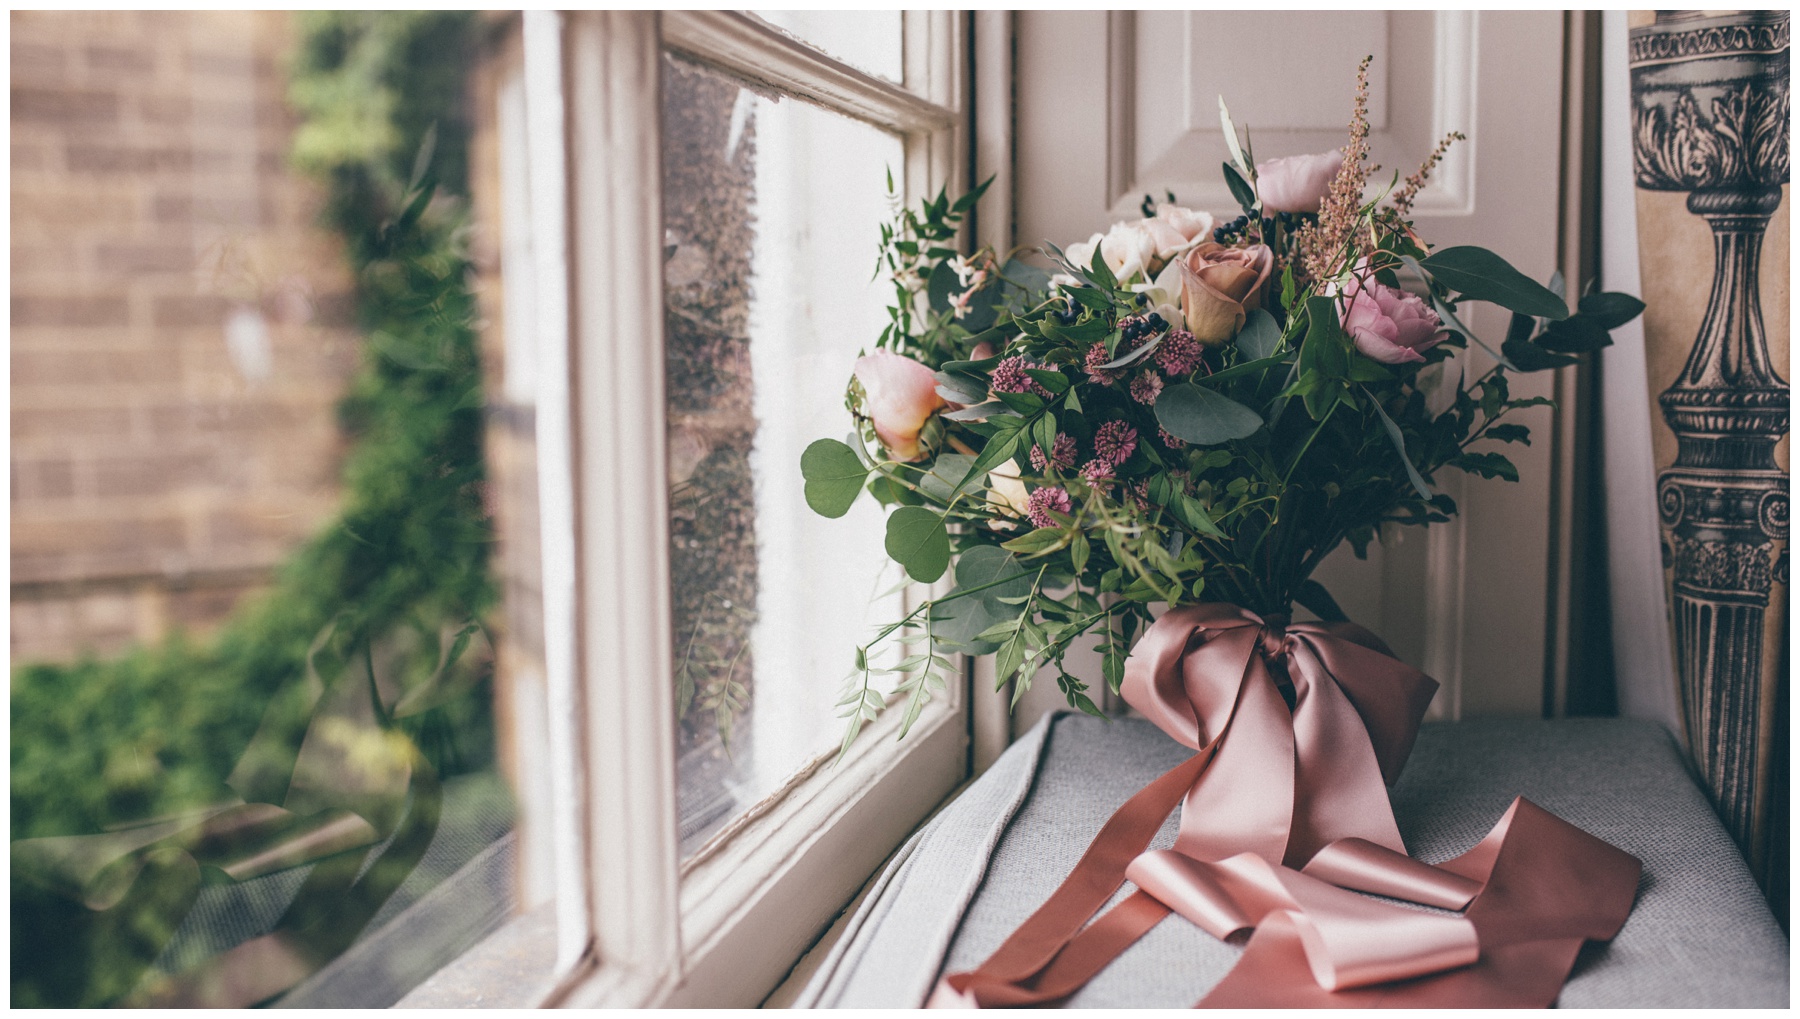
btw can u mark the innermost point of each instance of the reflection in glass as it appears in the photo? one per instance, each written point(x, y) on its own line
point(771, 212)
point(253, 744)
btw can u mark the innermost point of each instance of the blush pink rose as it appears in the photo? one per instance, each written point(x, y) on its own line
point(1297, 183)
point(1390, 325)
point(1221, 286)
point(901, 394)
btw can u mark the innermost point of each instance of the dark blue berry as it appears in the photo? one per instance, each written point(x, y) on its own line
point(1157, 323)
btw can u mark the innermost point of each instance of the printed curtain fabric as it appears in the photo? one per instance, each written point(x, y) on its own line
point(1710, 118)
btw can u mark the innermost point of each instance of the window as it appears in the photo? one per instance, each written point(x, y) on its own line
point(702, 190)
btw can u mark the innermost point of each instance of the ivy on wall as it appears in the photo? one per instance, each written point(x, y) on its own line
point(158, 729)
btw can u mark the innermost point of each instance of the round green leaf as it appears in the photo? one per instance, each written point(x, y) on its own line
point(1203, 417)
point(834, 476)
point(917, 540)
point(1260, 336)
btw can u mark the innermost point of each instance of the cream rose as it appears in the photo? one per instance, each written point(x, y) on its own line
point(901, 395)
point(1220, 286)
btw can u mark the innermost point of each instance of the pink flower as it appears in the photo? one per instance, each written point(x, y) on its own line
point(1389, 325)
point(1097, 356)
point(1009, 377)
point(900, 395)
point(1045, 500)
point(1146, 387)
point(1097, 470)
point(1297, 183)
point(1115, 442)
point(1062, 453)
point(1169, 440)
point(1179, 353)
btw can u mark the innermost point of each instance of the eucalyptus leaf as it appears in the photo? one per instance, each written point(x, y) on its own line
point(1610, 310)
point(1399, 441)
point(1260, 336)
point(918, 541)
point(948, 475)
point(1203, 417)
point(959, 388)
point(1137, 354)
point(834, 477)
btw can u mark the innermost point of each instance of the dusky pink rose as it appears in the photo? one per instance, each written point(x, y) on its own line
point(1220, 286)
point(1297, 183)
point(1389, 325)
point(901, 394)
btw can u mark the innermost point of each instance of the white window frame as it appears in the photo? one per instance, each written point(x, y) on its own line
point(636, 925)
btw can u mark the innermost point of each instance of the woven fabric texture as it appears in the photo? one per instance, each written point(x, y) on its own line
point(1700, 934)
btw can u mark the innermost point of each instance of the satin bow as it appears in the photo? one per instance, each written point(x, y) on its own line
point(1290, 774)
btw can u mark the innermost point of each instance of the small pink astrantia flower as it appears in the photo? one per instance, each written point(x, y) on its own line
point(1045, 500)
point(1171, 441)
point(1098, 470)
point(1097, 356)
point(1062, 454)
point(1146, 387)
point(1388, 324)
point(1115, 441)
point(1009, 377)
point(1179, 353)
point(900, 395)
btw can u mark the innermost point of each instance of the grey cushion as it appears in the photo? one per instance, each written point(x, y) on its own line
point(1700, 934)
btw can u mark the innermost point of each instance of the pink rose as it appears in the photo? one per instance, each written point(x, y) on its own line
point(901, 394)
point(1220, 286)
point(1188, 223)
point(1389, 325)
point(1297, 183)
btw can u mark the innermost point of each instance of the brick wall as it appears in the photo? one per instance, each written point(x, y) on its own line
point(180, 328)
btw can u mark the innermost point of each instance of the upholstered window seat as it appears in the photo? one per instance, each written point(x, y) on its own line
point(1700, 935)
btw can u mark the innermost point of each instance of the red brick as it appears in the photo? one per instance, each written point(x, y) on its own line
point(177, 312)
point(113, 58)
point(69, 312)
point(88, 367)
point(53, 423)
point(91, 158)
point(63, 106)
point(34, 63)
point(150, 474)
point(134, 258)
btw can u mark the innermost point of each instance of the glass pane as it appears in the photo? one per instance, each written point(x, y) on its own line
point(866, 40)
point(258, 602)
point(771, 215)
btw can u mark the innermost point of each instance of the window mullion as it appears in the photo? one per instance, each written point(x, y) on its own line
point(612, 88)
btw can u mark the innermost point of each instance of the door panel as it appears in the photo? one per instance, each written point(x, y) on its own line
point(1111, 106)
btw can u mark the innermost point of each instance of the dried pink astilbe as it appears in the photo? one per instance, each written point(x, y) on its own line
point(1115, 441)
point(1043, 502)
point(1321, 244)
point(1097, 356)
point(1170, 441)
point(1179, 353)
point(1062, 453)
point(1409, 191)
point(1146, 387)
point(1009, 377)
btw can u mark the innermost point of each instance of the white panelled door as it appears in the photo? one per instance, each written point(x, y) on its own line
point(1112, 106)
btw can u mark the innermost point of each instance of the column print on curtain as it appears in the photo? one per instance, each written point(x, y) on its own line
point(1710, 121)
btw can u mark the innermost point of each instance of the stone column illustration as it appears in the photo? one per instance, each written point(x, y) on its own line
point(1710, 111)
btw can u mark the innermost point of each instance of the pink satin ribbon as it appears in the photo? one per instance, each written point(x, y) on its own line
point(1270, 789)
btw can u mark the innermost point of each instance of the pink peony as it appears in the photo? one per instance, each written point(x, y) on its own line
point(1115, 441)
point(1179, 353)
point(1045, 500)
point(901, 394)
point(1297, 183)
point(1389, 325)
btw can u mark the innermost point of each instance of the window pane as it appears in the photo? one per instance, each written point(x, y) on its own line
point(771, 213)
point(255, 611)
point(866, 40)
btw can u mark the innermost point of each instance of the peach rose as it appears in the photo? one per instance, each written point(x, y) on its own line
point(1220, 286)
point(901, 395)
point(1297, 183)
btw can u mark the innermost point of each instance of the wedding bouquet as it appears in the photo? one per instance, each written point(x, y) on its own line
point(1191, 409)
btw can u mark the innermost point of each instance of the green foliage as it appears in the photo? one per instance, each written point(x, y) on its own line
point(157, 729)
